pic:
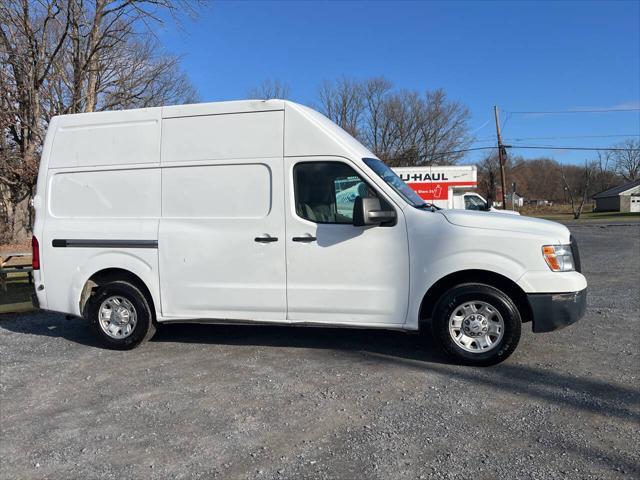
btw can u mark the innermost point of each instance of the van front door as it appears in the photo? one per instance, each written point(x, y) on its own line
point(336, 272)
point(222, 241)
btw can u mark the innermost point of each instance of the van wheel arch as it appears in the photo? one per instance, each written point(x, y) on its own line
point(110, 275)
point(506, 285)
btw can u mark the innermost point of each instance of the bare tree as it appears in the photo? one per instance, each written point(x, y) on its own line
point(68, 56)
point(378, 130)
point(419, 130)
point(443, 130)
point(401, 127)
point(270, 89)
point(343, 102)
point(576, 184)
point(627, 160)
point(30, 41)
point(404, 114)
point(489, 175)
point(604, 175)
point(138, 77)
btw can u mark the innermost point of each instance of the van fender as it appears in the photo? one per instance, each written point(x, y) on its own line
point(424, 278)
point(144, 266)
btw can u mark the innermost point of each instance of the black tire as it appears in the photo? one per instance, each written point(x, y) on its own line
point(144, 328)
point(452, 299)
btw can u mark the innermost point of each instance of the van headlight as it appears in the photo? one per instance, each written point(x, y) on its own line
point(559, 257)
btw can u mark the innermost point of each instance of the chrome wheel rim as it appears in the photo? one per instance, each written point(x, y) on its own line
point(117, 317)
point(476, 326)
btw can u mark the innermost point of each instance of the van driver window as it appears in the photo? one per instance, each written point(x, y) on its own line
point(326, 191)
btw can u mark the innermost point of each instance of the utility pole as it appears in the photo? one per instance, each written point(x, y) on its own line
point(501, 153)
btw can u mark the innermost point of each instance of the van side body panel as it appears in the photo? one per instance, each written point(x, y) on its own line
point(107, 139)
point(189, 254)
point(72, 263)
point(308, 133)
point(99, 181)
point(222, 137)
point(222, 191)
point(439, 248)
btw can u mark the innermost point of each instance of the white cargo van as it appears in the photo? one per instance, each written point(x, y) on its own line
point(267, 212)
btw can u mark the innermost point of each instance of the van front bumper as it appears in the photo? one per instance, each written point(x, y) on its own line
point(552, 311)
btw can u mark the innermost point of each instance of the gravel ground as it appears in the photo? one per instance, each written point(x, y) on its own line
point(202, 401)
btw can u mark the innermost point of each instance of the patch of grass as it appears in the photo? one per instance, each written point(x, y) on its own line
point(17, 298)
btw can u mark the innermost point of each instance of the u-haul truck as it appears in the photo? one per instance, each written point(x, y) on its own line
point(447, 186)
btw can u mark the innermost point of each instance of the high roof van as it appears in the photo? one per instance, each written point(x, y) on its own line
point(267, 212)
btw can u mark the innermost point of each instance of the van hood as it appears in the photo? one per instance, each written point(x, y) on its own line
point(511, 223)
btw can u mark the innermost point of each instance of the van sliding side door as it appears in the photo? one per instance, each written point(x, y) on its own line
point(222, 236)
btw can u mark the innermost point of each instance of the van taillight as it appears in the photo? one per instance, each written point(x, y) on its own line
point(35, 253)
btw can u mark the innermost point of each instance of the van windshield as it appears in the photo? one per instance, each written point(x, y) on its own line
point(394, 181)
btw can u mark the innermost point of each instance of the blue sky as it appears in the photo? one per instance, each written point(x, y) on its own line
point(521, 56)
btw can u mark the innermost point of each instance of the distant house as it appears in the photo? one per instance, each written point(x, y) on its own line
point(625, 198)
point(517, 200)
point(539, 203)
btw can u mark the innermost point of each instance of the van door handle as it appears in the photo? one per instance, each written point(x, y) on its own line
point(265, 239)
point(306, 239)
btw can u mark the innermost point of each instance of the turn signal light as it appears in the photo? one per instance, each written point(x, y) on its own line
point(558, 257)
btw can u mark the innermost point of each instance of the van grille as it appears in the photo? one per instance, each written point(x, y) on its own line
point(576, 253)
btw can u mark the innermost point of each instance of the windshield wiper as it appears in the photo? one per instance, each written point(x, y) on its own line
point(426, 205)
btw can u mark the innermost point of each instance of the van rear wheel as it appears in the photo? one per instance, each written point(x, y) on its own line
point(120, 315)
point(476, 324)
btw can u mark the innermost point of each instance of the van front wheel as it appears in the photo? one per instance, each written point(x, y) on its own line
point(476, 324)
point(120, 315)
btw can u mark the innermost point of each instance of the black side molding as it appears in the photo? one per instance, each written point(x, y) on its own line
point(83, 243)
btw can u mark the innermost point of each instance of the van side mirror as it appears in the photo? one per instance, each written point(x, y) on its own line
point(367, 211)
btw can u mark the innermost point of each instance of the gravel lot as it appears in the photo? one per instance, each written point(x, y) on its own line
point(204, 401)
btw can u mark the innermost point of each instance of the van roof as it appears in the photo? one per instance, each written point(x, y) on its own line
point(192, 109)
point(217, 108)
point(134, 136)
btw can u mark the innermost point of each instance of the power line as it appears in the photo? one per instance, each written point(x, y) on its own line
point(491, 138)
point(539, 147)
point(552, 147)
point(464, 150)
point(439, 154)
point(602, 110)
point(518, 139)
point(507, 117)
point(480, 127)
